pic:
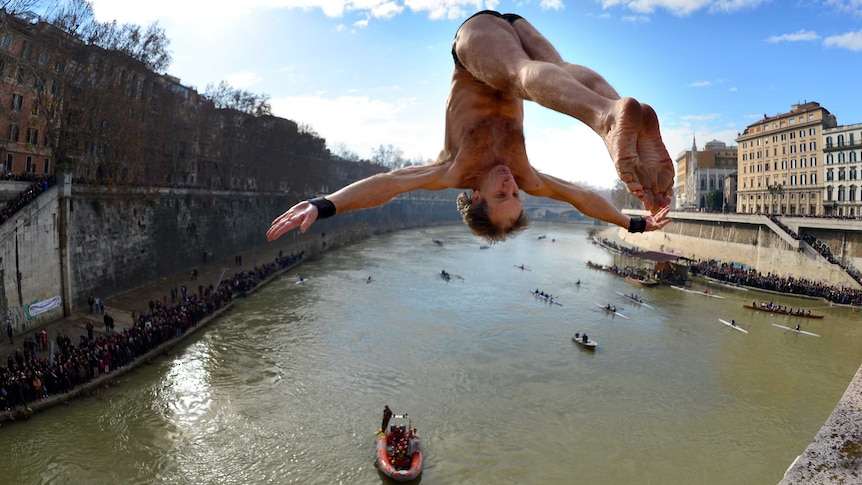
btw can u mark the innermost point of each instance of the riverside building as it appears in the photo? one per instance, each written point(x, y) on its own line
point(842, 148)
point(781, 163)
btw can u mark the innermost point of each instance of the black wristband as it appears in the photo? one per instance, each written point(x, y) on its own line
point(637, 224)
point(325, 207)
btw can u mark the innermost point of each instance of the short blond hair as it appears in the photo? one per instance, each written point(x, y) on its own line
point(476, 218)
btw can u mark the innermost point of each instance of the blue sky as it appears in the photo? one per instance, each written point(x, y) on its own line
point(365, 73)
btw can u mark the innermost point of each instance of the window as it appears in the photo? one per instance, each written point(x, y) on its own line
point(43, 58)
point(841, 158)
point(46, 168)
point(813, 161)
point(792, 163)
point(828, 142)
point(829, 175)
point(32, 136)
point(813, 178)
point(6, 42)
point(812, 147)
point(9, 160)
point(22, 76)
point(784, 165)
point(840, 140)
point(802, 162)
point(17, 101)
point(13, 132)
point(802, 180)
point(793, 179)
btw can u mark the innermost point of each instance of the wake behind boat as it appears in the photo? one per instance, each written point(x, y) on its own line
point(702, 293)
point(608, 308)
point(797, 330)
point(584, 341)
point(636, 299)
point(732, 324)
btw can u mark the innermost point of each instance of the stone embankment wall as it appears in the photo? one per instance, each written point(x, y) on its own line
point(751, 241)
point(80, 241)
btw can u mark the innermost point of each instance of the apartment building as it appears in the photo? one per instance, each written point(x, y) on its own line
point(701, 172)
point(842, 149)
point(780, 162)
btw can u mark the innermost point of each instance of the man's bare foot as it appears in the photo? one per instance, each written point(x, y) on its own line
point(624, 124)
point(640, 157)
point(654, 158)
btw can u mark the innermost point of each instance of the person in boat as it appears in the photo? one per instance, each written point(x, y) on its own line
point(797, 327)
point(577, 335)
point(585, 338)
point(387, 415)
point(733, 322)
point(501, 60)
point(368, 280)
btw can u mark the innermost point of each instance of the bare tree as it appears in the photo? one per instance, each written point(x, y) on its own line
point(76, 18)
point(388, 156)
point(226, 96)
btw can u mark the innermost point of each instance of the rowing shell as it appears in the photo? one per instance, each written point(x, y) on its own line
point(610, 311)
point(735, 327)
point(549, 300)
point(794, 330)
point(680, 288)
point(636, 301)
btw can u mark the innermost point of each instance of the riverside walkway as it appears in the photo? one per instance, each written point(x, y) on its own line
point(121, 307)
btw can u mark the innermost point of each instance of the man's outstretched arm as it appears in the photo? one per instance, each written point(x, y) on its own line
point(369, 192)
point(591, 204)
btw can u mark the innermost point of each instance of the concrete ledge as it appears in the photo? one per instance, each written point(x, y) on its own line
point(835, 455)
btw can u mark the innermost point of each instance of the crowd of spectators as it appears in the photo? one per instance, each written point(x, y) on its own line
point(27, 377)
point(41, 183)
point(821, 247)
point(743, 275)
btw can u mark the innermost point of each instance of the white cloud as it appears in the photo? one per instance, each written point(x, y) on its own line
point(799, 36)
point(683, 7)
point(243, 80)
point(363, 123)
point(552, 5)
point(700, 84)
point(850, 41)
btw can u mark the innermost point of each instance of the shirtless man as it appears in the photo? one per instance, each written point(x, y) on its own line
point(500, 61)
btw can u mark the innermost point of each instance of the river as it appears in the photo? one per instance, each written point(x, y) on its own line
point(289, 385)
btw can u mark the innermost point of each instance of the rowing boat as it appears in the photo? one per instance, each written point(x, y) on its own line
point(794, 330)
point(636, 300)
point(548, 299)
point(731, 325)
point(780, 312)
point(588, 344)
point(702, 293)
point(611, 311)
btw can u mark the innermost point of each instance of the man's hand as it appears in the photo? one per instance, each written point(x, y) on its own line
point(301, 215)
point(657, 221)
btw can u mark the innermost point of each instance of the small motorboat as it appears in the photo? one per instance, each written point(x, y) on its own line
point(584, 341)
point(399, 450)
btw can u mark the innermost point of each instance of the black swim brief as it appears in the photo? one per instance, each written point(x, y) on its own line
point(508, 17)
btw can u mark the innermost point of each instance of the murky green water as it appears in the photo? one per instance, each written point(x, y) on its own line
point(290, 385)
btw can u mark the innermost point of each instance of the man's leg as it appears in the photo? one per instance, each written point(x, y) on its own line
point(517, 59)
